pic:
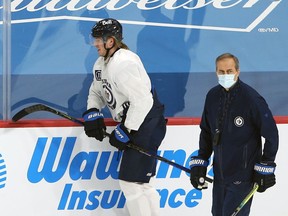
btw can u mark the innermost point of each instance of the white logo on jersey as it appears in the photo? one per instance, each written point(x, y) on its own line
point(239, 121)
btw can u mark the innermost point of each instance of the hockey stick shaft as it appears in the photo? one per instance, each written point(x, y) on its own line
point(246, 199)
point(144, 151)
point(41, 107)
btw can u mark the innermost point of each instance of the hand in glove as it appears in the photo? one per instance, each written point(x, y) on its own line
point(198, 168)
point(264, 175)
point(94, 125)
point(120, 137)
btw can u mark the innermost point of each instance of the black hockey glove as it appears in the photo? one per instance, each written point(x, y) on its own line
point(264, 175)
point(198, 168)
point(120, 137)
point(94, 125)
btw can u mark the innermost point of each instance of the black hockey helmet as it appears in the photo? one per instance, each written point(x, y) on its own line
point(107, 27)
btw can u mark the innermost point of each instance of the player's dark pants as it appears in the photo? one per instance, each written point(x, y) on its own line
point(227, 197)
point(136, 166)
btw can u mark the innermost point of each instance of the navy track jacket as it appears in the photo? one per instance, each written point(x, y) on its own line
point(242, 116)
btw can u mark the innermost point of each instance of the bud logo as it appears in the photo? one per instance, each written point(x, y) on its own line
point(248, 14)
point(2, 172)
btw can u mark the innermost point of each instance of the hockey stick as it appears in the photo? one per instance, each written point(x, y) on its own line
point(35, 100)
point(246, 199)
point(41, 107)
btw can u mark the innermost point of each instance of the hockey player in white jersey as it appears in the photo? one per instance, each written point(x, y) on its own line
point(122, 84)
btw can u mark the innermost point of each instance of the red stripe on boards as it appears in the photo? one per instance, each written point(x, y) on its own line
point(108, 122)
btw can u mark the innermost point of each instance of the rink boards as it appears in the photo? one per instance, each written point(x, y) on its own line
point(59, 171)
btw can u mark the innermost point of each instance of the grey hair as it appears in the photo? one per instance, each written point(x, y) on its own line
point(228, 55)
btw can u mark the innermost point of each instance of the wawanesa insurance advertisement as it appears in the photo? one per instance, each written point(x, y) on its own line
point(59, 171)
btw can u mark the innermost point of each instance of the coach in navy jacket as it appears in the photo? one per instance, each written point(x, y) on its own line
point(234, 121)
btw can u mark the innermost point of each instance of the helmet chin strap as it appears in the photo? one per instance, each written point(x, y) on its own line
point(107, 49)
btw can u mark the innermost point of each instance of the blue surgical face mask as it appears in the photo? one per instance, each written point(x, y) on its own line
point(226, 80)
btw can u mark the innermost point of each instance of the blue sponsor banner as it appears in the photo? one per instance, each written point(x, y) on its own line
point(178, 41)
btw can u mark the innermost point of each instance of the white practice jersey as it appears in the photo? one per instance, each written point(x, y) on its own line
point(122, 79)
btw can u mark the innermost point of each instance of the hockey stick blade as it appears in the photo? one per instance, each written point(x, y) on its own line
point(246, 199)
point(41, 107)
point(35, 100)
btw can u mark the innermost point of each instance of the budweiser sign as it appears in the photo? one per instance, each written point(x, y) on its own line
point(252, 11)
